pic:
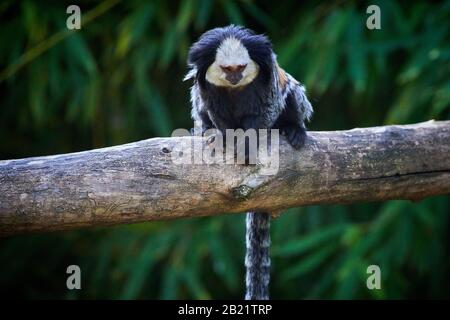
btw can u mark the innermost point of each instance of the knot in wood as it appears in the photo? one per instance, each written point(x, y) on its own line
point(242, 192)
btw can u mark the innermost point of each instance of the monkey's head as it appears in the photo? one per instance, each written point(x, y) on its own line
point(231, 57)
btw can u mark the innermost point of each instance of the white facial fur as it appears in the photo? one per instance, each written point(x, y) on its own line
point(231, 52)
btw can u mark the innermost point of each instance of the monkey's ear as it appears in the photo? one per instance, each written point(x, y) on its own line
point(191, 74)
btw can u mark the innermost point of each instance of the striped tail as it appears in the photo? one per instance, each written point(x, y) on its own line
point(257, 260)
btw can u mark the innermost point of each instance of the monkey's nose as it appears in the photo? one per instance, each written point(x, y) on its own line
point(234, 77)
point(233, 73)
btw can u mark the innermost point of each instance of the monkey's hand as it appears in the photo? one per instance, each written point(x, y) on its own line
point(296, 135)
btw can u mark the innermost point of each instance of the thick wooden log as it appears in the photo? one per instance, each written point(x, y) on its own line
point(139, 182)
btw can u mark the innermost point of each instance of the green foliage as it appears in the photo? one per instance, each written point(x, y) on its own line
point(119, 79)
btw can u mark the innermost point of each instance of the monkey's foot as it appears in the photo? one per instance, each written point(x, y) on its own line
point(295, 135)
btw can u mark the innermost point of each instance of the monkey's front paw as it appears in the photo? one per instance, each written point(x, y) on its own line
point(295, 135)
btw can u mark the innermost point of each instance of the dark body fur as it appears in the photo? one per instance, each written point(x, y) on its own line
point(273, 100)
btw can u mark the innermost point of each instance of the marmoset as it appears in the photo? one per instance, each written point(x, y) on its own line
point(238, 84)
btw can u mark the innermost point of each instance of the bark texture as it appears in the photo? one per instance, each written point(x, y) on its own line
point(139, 182)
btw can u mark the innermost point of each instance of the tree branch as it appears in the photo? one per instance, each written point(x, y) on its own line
point(139, 182)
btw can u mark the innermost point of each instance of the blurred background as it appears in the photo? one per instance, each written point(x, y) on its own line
point(119, 79)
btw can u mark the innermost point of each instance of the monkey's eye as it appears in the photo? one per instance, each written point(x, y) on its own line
point(240, 67)
point(227, 69)
point(233, 68)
